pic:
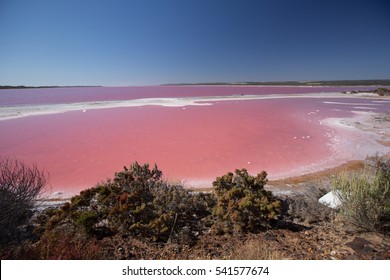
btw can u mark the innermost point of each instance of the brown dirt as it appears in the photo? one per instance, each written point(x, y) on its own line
point(354, 165)
point(327, 241)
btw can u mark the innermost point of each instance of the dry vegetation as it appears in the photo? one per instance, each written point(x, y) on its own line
point(20, 184)
point(379, 91)
point(365, 196)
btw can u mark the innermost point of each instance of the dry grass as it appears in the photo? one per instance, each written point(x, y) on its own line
point(305, 208)
point(202, 190)
point(365, 199)
point(257, 249)
point(67, 246)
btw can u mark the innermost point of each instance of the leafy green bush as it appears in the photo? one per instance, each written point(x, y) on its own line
point(87, 219)
point(366, 197)
point(242, 202)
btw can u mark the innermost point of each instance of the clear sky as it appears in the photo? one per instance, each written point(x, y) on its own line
point(149, 42)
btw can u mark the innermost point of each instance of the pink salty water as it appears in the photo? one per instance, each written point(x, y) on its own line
point(194, 144)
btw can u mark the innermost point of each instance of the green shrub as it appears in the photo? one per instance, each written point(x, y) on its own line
point(137, 202)
point(242, 202)
point(366, 197)
point(87, 219)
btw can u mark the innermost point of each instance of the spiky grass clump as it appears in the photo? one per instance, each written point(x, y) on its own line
point(365, 197)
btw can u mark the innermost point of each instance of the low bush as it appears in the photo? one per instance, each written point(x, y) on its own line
point(243, 205)
point(65, 244)
point(20, 186)
point(304, 207)
point(86, 218)
point(137, 202)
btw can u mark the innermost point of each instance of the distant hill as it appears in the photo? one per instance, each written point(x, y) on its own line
point(378, 82)
point(25, 87)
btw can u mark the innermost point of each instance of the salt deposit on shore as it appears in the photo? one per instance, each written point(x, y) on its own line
point(354, 138)
point(348, 142)
point(352, 141)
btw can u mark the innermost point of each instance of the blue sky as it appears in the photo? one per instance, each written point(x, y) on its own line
point(146, 42)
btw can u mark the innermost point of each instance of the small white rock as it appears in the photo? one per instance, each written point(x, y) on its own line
point(331, 200)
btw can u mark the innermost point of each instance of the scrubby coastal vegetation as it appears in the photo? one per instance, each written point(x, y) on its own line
point(138, 215)
point(378, 91)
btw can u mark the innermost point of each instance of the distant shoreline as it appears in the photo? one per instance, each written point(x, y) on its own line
point(371, 82)
point(27, 87)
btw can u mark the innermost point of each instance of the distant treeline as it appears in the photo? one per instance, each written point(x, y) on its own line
point(24, 87)
point(21, 87)
point(384, 82)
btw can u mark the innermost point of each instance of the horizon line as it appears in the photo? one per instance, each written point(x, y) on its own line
point(342, 82)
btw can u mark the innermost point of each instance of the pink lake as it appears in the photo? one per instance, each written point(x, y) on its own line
point(192, 144)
